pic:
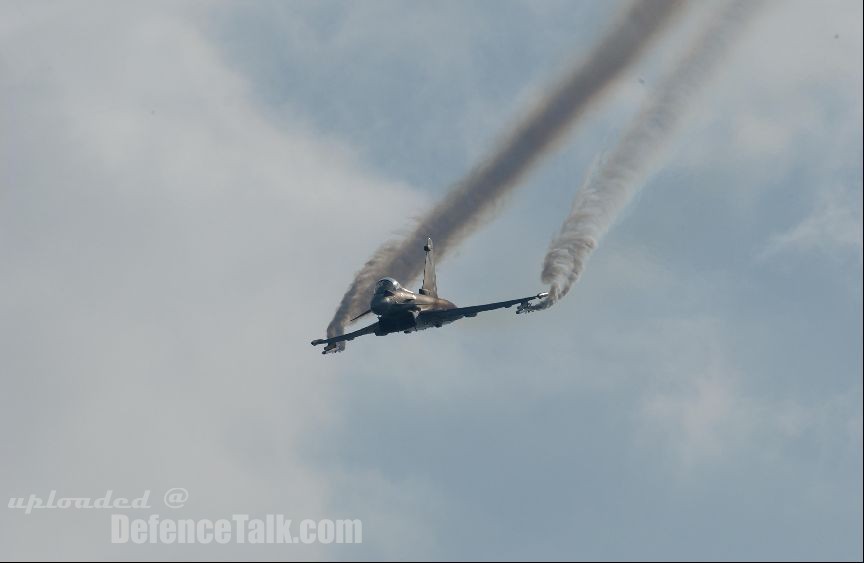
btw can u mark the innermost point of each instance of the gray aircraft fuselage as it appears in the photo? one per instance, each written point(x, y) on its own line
point(398, 309)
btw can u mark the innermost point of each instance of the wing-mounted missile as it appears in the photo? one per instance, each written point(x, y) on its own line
point(526, 307)
point(331, 348)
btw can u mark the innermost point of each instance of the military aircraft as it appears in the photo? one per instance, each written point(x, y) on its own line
point(401, 310)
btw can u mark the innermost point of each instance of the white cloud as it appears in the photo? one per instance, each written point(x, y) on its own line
point(833, 227)
point(790, 90)
point(701, 418)
point(703, 409)
point(167, 256)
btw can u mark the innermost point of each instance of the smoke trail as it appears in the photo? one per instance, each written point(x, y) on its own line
point(473, 200)
point(614, 180)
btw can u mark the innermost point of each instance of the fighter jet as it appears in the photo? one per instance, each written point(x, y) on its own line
point(401, 310)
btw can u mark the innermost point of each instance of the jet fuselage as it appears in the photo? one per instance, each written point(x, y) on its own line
point(398, 309)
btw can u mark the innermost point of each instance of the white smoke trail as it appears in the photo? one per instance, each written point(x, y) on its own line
point(477, 196)
point(614, 180)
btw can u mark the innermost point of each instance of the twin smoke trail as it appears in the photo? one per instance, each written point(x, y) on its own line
point(615, 179)
point(474, 199)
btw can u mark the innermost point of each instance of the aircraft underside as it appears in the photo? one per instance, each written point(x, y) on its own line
point(407, 322)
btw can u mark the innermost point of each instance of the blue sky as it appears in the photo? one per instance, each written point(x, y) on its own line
point(188, 189)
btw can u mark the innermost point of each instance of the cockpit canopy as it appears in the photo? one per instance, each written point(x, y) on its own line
point(386, 284)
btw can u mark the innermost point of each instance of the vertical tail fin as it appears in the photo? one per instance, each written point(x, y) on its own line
point(430, 285)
